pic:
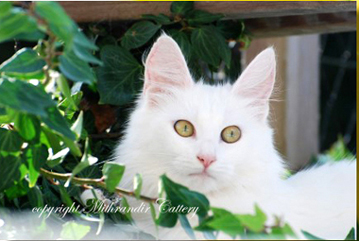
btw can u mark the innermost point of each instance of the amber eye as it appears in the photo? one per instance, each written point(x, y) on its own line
point(231, 134)
point(184, 128)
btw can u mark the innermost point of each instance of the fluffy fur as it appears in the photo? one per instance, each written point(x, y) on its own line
point(319, 200)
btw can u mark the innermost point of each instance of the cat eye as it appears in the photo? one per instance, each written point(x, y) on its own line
point(231, 134)
point(184, 128)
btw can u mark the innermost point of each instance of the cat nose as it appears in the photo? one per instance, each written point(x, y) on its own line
point(206, 160)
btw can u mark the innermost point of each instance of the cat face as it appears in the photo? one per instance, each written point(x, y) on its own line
point(202, 136)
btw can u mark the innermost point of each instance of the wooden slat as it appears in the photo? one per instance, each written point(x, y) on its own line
point(302, 24)
point(109, 11)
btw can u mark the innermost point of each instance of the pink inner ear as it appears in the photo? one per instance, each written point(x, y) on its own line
point(257, 81)
point(166, 67)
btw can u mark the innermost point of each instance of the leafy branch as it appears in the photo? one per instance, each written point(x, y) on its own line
point(92, 182)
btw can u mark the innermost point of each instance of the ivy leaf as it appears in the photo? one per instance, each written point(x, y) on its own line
point(181, 195)
point(311, 236)
point(5, 7)
point(9, 170)
point(183, 41)
point(186, 226)
point(10, 141)
point(137, 185)
point(76, 69)
point(351, 234)
point(210, 45)
point(255, 222)
point(72, 230)
point(58, 123)
point(82, 47)
point(113, 173)
point(181, 7)
point(203, 17)
point(139, 34)
point(60, 24)
point(86, 160)
point(159, 19)
point(14, 23)
point(226, 222)
point(25, 97)
point(23, 61)
point(119, 78)
point(28, 126)
point(35, 197)
point(35, 157)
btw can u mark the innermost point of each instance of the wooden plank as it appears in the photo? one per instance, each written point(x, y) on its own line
point(302, 102)
point(302, 24)
point(94, 11)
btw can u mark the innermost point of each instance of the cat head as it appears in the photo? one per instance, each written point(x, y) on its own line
point(205, 137)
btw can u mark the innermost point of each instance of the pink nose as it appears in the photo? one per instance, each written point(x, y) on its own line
point(206, 160)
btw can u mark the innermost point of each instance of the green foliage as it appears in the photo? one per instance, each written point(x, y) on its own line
point(60, 96)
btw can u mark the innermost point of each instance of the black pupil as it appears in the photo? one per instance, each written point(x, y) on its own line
point(185, 128)
point(232, 133)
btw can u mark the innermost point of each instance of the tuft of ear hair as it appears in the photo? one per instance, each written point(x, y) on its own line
point(165, 68)
point(257, 81)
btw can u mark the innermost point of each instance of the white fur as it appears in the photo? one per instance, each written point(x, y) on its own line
point(320, 200)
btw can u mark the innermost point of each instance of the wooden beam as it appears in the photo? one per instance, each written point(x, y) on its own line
point(302, 102)
point(94, 11)
point(302, 24)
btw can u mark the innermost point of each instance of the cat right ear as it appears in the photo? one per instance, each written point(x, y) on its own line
point(257, 81)
point(165, 68)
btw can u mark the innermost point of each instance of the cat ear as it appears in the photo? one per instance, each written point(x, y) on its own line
point(165, 68)
point(257, 81)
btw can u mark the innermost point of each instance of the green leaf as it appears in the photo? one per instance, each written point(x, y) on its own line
point(25, 97)
point(55, 121)
point(210, 45)
point(139, 34)
point(14, 23)
point(311, 236)
point(351, 234)
point(226, 222)
point(119, 78)
point(159, 19)
point(76, 69)
point(60, 24)
point(9, 171)
point(25, 60)
point(82, 48)
point(86, 160)
point(28, 126)
point(137, 185)
point(65, 89)
point(113, 173)
point(35, 197)
point(74, 148)
point(5, 8)
point(181, 7)
point(10, 141)
point(167, 219)
point(255, 222)
point(125, 204)
point(231, 29)
point(72, 230)
point(203, 17)
point(186, 226)
point(20, 189)
point(181, 195)
point(77, 125)
point(35, 157)
point(182, 40)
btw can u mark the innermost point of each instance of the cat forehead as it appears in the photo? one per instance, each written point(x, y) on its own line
point(203, 102)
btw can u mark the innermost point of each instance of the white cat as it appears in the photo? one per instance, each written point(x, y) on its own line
point(216, 140)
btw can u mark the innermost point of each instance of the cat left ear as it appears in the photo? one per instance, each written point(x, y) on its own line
point(165, 67)
point(257, 81)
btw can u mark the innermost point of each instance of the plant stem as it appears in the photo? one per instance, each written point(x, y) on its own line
point(92, 182)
